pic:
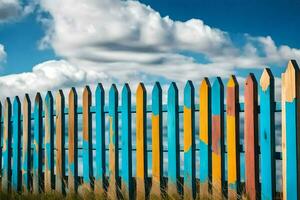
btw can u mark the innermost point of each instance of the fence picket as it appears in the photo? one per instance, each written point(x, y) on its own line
point(141, 142)
point(127, 185)
point(251, 137)
point(73, 142)
point(49, 143)
point(87, 158)
point(60, 142)
point(205, 136)
point(16, 178)
point(267, 135)
point(283, 136)
point(100, 139)
point(26, 146)
point(291, 89)
point(37, 144)
point(232, 125)
point(113, 143)
point(7, 139)
point(217, 135)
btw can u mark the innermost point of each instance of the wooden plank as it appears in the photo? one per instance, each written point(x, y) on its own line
point(251, 137)
point(157, 148)
point(218, 168)
point(7, 140)
point(113, 143)
point(292, 108)
point(16, 178)
point(127, 184)
point(267, 135)
point(283, 136)
point(173, 142)
point(73, 142)
point(189, 141)
point(87, 158)
point(60, 143)
point(37, 144)
point(26, 146)
point(49, 143)
point(205, 136)
point(100, 140)
point(233, 137)
point(141, 142)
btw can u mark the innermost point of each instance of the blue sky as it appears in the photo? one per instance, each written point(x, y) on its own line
point(196, 39)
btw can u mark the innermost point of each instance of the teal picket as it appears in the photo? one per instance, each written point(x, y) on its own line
point(26, 146)
point(7, 140)
point(16, 178)
point(173, 140)
point(49, 143)
point(127, 186)
point(37, 144)
point(267, 135)
point(100, 139)
point(189, 141)
point(87, 153)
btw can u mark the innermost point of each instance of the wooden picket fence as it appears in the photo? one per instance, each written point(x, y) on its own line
point(35, 161)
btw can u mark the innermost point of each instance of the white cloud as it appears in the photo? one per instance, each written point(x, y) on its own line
point(15, 9)
point(2, 54)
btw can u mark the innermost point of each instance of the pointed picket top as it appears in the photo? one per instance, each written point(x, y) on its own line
point(49, 98)
point(172, 89)
point(291, 74)
point(113, 90)
point(232, 82)
point(87, 93)
point(140, 89)
point(7, 101)
point(250, 80)
point(218, 83)
point(266, 79)
point(156, 93)
point(73, 93)
point(188, 91)
point(26, 100)
point(16, 101)
point(205, 84)
point(38, 98)
point(126, 90)
point(60, 95)
point(99, 89)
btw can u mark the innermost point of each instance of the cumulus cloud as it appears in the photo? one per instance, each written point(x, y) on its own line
point(2, 54)
point(15, 9)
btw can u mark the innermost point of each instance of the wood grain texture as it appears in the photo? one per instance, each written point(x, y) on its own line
point(251, 138)
point(141, 142)
point(7, 140)
point(26, 145)
point(73, 142)
point(267, 135)
point(60, 143)
point(49, 143)
point(232, 132)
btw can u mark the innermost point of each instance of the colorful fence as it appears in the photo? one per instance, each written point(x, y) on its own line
point(36, 160)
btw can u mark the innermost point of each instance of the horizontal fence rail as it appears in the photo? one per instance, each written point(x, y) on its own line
point(44, 151)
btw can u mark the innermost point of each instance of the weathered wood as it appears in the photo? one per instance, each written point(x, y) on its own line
point(232, 126)
point(7, 140)
point(205, 136)
point(267, 135)
point(157, 148)
point(217, 141)
point(141, 142)
point(173, 142)
point(37, 144)
point(73, 142)
point(251, 137)
point(49, 143)
point(113, 143)
point(60, 143)
point(87, 157)
point(189, 141)
point(127, 183)
point(100, 140)
point(292, 122)
point(26, 146)
point(16, 178)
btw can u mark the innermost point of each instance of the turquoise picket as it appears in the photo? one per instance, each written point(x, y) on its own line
point(49, 143)
point(113, 141)
point(1, 137)
point(26, 147)
point(87, 153)
point(37, 144)
point(100, 139)
point(16, 178)
point(189, 141)
point(173, 140)
point(267, 135)
point(127, 186)
point(6, 146)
